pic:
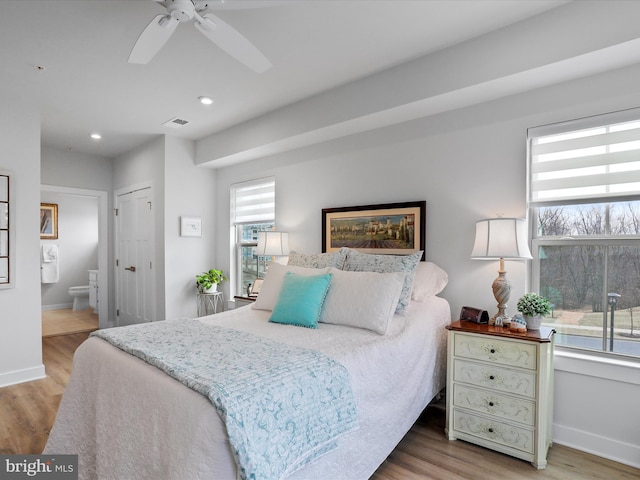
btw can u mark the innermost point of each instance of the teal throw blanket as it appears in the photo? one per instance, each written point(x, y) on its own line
point(283, 406)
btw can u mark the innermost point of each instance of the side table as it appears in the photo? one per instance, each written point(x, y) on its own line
point(209, 303)
point(242, 300)
point(500, 389)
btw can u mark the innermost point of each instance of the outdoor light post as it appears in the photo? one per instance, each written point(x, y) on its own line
point(613, 299)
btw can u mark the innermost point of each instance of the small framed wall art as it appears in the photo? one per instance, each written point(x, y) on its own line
point(48, 221)
point(190, 226)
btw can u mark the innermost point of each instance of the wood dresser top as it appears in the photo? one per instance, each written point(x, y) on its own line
point(542, 335)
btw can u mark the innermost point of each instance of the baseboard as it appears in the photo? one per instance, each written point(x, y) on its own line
point(21, 376)
point(597, 445)
point(60, 306)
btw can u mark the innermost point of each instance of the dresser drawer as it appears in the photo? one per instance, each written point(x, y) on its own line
point(520, 382)
point(487, 402)
point(491, 349)
point(497, 432)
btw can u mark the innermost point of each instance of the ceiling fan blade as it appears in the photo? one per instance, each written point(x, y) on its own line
point(152, 38)
point(232, 42)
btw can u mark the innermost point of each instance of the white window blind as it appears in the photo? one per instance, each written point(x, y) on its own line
point(591, 159)
point(254, 201)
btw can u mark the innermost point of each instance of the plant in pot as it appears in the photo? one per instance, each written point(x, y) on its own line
point(207, 282)
point(533, 307)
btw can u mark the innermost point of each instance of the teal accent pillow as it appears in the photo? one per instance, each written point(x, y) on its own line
point(301, 299)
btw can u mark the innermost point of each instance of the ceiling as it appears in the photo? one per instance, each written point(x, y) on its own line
point(71, 58)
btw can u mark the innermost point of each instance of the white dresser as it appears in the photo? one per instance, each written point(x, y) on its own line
point(500, 389)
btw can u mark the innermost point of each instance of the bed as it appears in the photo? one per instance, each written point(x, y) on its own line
point(128, 419)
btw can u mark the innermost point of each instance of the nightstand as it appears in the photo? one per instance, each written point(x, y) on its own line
point(500, 389)
point(241, 301)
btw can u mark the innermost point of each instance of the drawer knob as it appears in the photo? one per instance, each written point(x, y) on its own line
point(493, 350)
point(491, 377)
point(491, 404)
point(491, 430)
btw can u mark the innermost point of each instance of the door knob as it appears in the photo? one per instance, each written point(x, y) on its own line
point(131, 269)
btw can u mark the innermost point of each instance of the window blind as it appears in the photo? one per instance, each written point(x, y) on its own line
point(253, 201)
point(592, 159)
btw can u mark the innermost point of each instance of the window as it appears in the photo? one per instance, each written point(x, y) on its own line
point(584, 200)
point(252, 211)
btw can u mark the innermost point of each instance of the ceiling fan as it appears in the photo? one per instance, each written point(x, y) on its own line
point(156, 34)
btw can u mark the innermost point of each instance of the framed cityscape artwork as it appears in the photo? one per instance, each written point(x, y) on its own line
point(391, 228)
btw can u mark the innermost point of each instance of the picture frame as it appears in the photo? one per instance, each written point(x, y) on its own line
point(48, 221)
point(389, 228)
point(256, 286)
point(191, 226)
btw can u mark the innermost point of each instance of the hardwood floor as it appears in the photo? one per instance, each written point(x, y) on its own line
point(28, 410)
point(66, 321)
point(426, 454)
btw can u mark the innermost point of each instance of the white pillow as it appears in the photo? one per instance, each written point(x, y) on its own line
point(429, 281)
point(273, 283)
point(362, 299)
point(368, 262)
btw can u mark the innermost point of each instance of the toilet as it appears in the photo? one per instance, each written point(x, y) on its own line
point(80, 297)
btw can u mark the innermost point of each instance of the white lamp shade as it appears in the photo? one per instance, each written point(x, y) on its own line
point(272, 244)
point(501, 238)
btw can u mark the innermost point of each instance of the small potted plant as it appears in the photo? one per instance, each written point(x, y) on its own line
point(533, 307)
point(207, 282)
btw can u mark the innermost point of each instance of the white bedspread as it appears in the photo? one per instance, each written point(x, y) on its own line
point(128, 420)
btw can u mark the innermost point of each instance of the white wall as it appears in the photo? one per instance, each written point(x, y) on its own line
point(467, 164)
point(189, 191)
point(66, 168)
point(20, 321)
point(77, 246)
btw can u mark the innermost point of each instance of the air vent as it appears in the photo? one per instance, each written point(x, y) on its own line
point(175, 123)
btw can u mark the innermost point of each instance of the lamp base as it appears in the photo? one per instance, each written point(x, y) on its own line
point(501, 291)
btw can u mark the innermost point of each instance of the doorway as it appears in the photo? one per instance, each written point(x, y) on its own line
point(101, 197)
point(135, 249)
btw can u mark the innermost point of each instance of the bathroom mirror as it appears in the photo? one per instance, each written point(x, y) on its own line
point(6, 231)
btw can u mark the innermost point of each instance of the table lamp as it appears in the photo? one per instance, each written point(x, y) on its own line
point(272, 244)
point(500, 239)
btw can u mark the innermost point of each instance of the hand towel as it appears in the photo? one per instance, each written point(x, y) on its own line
point(49, 253)
point(49, 264)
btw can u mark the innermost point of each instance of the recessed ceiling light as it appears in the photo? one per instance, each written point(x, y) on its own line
point(96, 136)
point(205, 100)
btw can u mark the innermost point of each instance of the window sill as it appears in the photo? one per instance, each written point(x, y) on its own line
point(596, 365)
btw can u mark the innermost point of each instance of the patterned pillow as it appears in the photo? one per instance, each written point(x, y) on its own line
point(301, 299)
point(366, 262)
point(318, 260)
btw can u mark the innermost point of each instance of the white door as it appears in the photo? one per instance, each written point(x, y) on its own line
point(135, 298)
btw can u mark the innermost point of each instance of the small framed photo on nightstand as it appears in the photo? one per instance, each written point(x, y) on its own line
point(255, 287)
